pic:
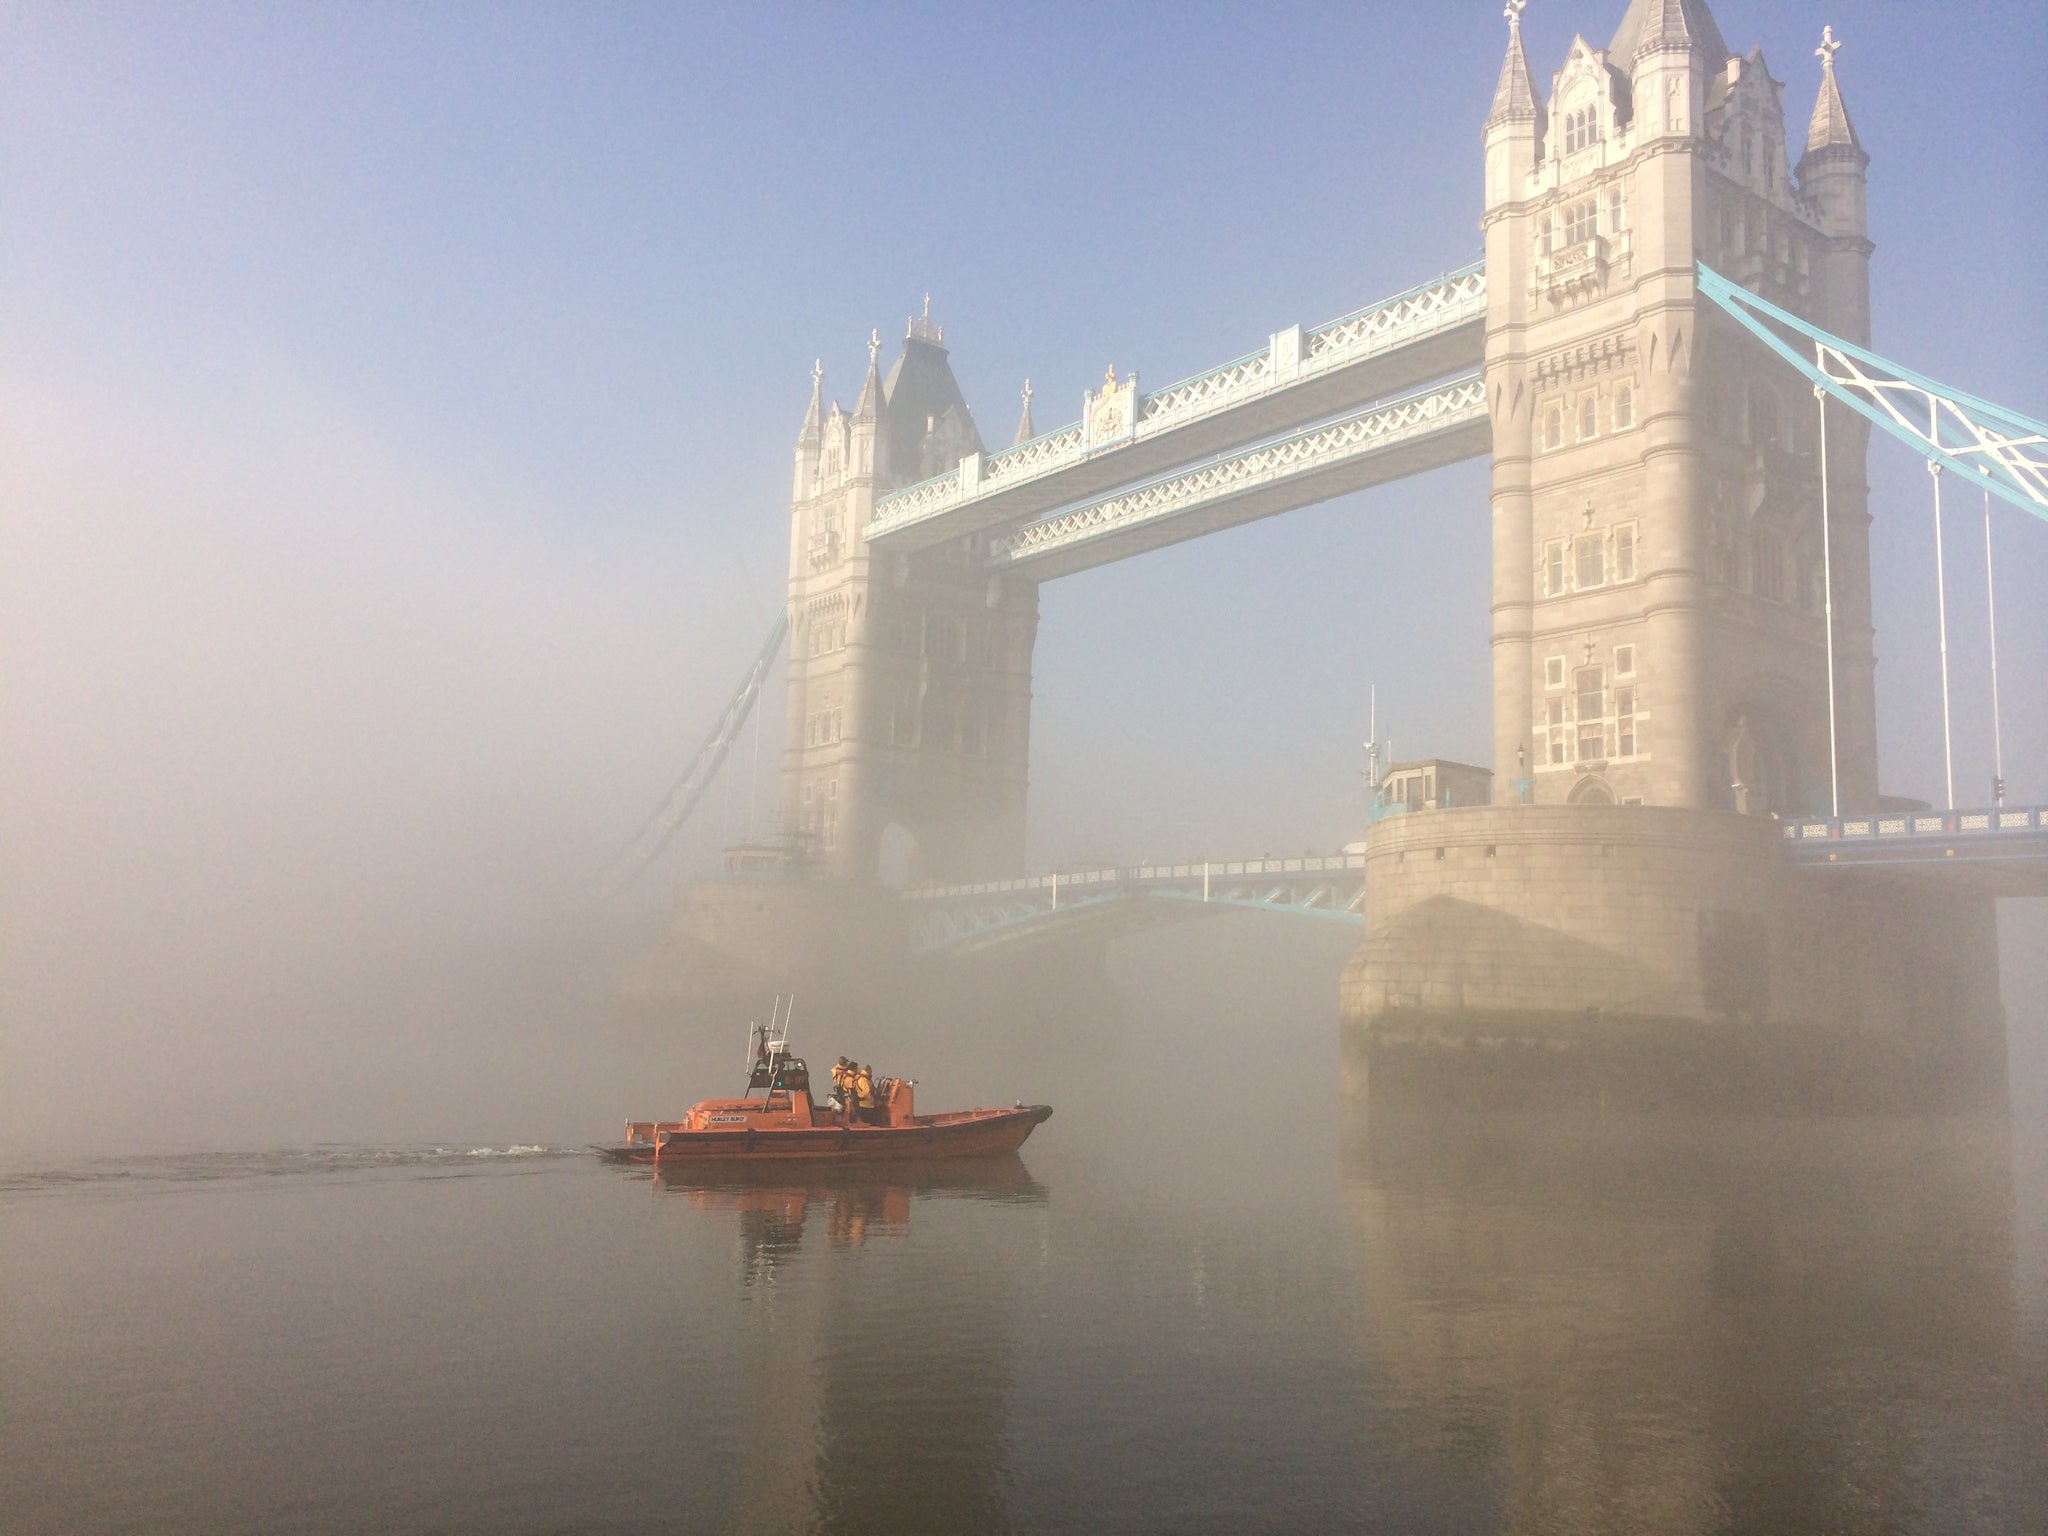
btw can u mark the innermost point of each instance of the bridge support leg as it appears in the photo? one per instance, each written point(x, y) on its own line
point(1668, 954)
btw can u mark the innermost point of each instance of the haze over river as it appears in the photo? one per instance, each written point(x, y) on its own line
point(1212, 1295)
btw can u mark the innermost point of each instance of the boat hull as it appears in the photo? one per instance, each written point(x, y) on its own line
point(969, 1133)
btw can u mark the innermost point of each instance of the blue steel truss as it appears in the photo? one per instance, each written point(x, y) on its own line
point(957, 919)
point(1997, 448)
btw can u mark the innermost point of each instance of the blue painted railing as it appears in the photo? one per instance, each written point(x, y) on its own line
point(2000, 832)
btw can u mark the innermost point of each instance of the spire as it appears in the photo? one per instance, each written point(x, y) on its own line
point(1025, 430)
point(1514, 99)
point(869, 405)
point(921, 327)
point(813, 433)
point(1831, 126)
point(1668, 26)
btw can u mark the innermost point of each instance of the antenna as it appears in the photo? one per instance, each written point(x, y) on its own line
point(1372, 746)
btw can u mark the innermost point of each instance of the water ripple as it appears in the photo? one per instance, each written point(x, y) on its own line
point(324, 1159)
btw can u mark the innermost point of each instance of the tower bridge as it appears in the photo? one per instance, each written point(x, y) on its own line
point(1665, 354)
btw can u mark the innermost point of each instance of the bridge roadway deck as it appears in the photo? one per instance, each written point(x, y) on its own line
point(2000, 850)
point(1997, 852)
point(1300, 378)
point(959, 918)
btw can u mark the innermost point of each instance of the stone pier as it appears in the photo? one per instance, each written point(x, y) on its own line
point(1668, 952)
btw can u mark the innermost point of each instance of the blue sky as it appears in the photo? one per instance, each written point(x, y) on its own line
point(564, 270)
point(396, 402)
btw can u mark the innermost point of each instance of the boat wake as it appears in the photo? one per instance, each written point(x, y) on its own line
point(148, 1170)
point(534, 1151)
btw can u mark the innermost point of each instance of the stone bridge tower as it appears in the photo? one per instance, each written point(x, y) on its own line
point(907, 739)
point(1659, 640)
point(1659, 634)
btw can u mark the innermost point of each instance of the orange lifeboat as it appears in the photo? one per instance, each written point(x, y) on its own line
point(785, 1122)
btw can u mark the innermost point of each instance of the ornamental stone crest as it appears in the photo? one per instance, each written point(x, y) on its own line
point(1111, 412)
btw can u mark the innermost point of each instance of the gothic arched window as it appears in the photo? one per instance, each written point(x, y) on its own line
point(1592, 714)
point(1581, 221)
point(1581, 129)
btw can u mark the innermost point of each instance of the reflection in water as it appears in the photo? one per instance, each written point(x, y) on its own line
point(773, 1202)
point(870, 1404)
point(1224, 1324)
point(1699, 1325)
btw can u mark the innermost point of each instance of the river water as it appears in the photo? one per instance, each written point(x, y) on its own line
point(1197, 1302)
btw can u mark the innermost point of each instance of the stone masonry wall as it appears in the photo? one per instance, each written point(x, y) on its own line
point(1681, 939)
point(1558, 908)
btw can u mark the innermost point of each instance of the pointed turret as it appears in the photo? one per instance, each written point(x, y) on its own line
point(868, 408)
point(1514, 99)
point(1831, 129)
point(1514, 144)
point(865, 453)
point(1835, 174)
point(1514, 129)
point(810, 437)
point(812, 432)
point(1669, 51)
point(1668, 26)
point(1025, 430)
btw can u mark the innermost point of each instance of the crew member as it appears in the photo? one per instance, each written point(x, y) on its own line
point(842, 1086)
point(864, 1091)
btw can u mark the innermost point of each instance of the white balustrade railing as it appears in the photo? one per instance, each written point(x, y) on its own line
point(1049, 450)
point(919, 501)
point(1180, 403)
point(1292, 357)
point(1438, 306)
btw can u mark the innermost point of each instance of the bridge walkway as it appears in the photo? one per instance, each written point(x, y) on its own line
point(1301, 377)
point(1375, 446)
